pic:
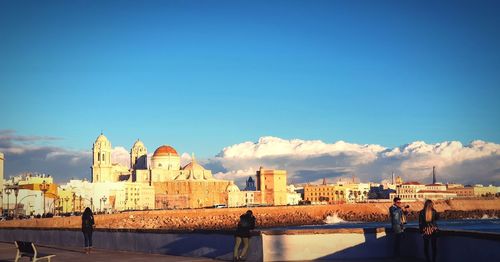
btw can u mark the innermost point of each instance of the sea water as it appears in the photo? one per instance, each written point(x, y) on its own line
point(485, 224)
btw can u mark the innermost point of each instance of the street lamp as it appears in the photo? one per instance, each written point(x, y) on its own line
point(103, 201)
point(74, 197)
point(44, 187)
point(8, 192)
point(80, 204)
point(16, 193)
point(66, 199)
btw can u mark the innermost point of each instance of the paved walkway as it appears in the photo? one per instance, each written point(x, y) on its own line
point(8, 253)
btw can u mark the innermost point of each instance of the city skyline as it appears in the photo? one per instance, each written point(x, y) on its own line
point(305, 160)
point(282, 83)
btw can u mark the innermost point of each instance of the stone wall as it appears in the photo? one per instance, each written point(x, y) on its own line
point(227, 218)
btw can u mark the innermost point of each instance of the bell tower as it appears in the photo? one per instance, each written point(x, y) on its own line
point(138, 156)
point(101, 160)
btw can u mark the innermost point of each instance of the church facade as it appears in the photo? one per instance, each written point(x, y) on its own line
point(176, 186)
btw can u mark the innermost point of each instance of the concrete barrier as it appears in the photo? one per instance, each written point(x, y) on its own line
point(274, 245)
point(373, 243)
point(209, 244)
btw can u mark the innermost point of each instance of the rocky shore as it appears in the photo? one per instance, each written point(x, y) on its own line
point(226, 219)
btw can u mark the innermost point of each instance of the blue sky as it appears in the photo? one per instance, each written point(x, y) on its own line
point(202, 75)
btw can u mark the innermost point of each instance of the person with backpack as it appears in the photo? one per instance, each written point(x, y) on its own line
point(87, 228)
point(246, 223)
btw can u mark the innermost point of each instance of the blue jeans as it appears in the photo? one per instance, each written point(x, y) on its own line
point(87, 235)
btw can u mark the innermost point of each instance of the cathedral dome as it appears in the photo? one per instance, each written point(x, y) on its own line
point(193, 166)
point(232, 188)
point(165, 151)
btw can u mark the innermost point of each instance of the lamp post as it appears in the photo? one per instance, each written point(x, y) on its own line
point(66, 199)
point(103, 201)
point(44, 187)
point(8, 192)
point(16, 193)
point(74, 197)
point(80, 204)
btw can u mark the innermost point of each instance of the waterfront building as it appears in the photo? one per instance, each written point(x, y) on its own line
point(485, 191)
point(272, 185)
point(1, 181)
point(462, 192)
point(25, 194)
point(293, 197)
point(341, 192)
point(380, 191)
point(413, 191)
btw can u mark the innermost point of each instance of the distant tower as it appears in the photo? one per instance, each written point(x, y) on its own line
point(393, 179)
point(138, 156)
point(101, 163)
point(272, 184)
point(324, 181)
point(250, 185)
point(433, 175)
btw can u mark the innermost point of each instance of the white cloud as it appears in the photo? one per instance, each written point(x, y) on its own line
point(305, 160)
point(120, 155)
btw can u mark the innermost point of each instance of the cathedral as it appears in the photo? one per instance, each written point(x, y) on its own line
point(191, 186)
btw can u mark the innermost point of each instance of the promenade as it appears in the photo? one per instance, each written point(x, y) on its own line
point(8, 253)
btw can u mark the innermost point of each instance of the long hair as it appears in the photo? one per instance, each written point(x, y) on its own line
point(428, 208)
point(87, 213)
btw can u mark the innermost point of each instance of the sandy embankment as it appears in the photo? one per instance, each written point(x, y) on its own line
point(266, 216)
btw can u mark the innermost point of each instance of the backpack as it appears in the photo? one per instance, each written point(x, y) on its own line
point(245, 222)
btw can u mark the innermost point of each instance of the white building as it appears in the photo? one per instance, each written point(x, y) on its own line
point(293, 198)
point(413, 191)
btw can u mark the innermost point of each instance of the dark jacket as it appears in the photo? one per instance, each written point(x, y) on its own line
point(246, 223)
point(422, 224)
point(396, 217)
point(87, 222)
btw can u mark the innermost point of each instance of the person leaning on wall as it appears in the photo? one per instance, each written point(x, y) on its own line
point(428, 228)
point(246, 223)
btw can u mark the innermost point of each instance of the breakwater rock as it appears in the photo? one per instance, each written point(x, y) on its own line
point(227, 218)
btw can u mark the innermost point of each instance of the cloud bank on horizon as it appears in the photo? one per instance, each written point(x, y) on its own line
point(305, 160)
point(313, 160)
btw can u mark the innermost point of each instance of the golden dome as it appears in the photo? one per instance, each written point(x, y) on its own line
point(165, 151)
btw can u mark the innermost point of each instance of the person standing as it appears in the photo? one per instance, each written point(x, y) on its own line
point(398, 220)
point(246, 223)
point(428, 227)
point(87, 228)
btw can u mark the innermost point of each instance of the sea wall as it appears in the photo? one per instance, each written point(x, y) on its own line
point(226, 218)
point(273, 245)
point(209, 244)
